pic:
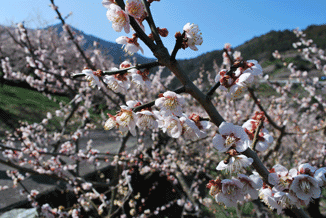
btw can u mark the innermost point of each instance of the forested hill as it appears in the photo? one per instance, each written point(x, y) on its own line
point(259, 48)
point(110, 48)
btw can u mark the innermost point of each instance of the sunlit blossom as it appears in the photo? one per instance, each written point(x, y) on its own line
point(170, 104)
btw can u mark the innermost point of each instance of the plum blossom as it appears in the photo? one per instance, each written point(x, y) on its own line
point(170, 104)
point(320, 176)
point(126, 118)
point(130, 45)
point(267, 196)
point(135, 8)
point(237, 82)
point(305, 187)
point(92, 77)
point(235, 163)
point(306, 168)
point(231, 192)
point(190, 129)
point(147, 119)
point(264, 138)
point(111, 123)
point(140, 78)
point(231, 136)
point(251, 184)
point(280, 177)
point(171, 125)
point(119, 19)
point(107, 3)
point(118, 82)
point(193, 37)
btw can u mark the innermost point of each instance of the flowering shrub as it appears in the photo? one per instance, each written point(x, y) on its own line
point(193, 134)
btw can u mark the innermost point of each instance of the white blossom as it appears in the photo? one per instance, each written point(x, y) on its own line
point(119, 19)
point(231, 192)
point(231, 136)
point(170, 104)
point(193, 37)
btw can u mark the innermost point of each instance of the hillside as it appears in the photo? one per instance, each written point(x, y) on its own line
point(261, 48)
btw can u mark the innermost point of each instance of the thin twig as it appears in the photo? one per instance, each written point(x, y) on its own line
point(255, 140)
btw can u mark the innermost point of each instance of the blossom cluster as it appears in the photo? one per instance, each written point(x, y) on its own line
point(293, 188)
point(235, 83)
point(170, 118)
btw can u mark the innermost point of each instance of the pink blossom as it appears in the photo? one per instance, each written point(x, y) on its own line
point(135, 8)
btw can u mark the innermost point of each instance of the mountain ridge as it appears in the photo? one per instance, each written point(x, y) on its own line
point(110, 48)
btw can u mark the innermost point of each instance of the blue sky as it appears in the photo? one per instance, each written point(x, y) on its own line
point(220, 21)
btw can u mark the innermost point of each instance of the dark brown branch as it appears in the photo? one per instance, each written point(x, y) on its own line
point(140, 33)
point(255, 140)
point(151, 23)
point(125, 70)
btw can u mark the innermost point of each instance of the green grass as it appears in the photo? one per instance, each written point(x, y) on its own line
point(20, 104)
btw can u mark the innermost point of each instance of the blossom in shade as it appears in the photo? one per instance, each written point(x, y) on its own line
point(135, 8)
point(130, 45)
point(193, 36)
point(190, 130)
point(231, 192)
point(231, 136)
point(147, 119)
point(119, 19)
point(214, 186)
point(251, 184)
point(170, 103)
point(235, 163)
point(280, 177)
point(305, 187)
point(264, 138)
point(171, 125)
point(288, 199)
point(267, 196)
point(306, 168)
point(320, 176)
